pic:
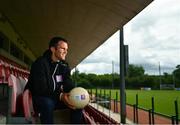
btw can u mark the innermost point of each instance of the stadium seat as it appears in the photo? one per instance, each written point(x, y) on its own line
point(11, 68)
point(16, 95)
point(26, 79)
point(29, 112)
point(7, 72)
point(15, 113)
point(98, 116)
point(88, 119)
point(22, 83)
point(2, 72)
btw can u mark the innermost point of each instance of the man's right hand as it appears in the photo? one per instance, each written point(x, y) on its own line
point(65, 98)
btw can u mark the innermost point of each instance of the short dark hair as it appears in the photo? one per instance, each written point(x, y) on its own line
point(54, 41)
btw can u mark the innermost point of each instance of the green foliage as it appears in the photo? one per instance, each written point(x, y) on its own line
point(134, 70)
point(84, 83)
point(167, 79)
point(135, 79)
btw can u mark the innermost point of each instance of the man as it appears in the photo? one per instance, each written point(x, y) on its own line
point(50, 82)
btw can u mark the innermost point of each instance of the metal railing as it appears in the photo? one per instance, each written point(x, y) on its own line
point(105, 100)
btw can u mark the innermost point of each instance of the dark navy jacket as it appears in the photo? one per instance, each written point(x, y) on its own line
point(48, 78)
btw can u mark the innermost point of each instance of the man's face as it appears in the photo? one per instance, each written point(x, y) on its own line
point(60, 50)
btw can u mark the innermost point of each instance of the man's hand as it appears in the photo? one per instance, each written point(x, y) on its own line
point(65, 98)
point(92, 98)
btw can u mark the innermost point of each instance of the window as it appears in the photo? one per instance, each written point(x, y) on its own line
point(4, 42)
point(27, 60)
point(15, 51)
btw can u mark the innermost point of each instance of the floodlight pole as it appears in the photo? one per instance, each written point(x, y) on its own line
point(160, 80)
point(112, 74)
point(122, 78)
point(173, 80)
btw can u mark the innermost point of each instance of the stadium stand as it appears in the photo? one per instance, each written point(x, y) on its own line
point(12, 76)
point(20, 107)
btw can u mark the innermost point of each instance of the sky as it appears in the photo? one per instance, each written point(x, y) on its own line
point(153, 37)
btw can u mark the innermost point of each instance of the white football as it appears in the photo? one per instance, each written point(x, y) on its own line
point(79, 97)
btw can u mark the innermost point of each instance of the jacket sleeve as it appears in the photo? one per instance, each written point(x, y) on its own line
point(38, 79)
point(68, 83)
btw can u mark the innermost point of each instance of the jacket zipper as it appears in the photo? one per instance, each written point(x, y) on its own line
point(53, 77)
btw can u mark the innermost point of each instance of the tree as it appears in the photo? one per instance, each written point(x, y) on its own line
point(176, 73)
point(135, 70)
point(167, 79)
point(75, 75)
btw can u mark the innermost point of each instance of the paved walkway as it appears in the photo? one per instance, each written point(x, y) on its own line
point(143, 116)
